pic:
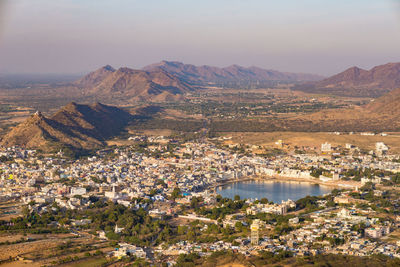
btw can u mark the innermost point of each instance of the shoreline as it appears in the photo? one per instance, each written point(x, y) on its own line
point(339, 184)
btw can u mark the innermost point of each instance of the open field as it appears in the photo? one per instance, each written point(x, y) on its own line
point(233, 265)
point(29, 249)
point(91, 262)
point(311, 139)
point(21, 263)
point(48, 249)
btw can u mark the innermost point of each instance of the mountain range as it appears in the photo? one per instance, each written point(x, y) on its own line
point(171, 80)
point(74, 126)
point(358, 82)
point(208, 74)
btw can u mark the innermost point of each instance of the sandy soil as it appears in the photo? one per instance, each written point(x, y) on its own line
point(316, 139)
point(232, 265)
point(21, 264)
point(25, 248)
point(11, 238)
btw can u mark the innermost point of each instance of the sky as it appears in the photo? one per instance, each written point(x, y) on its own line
point(312, 36)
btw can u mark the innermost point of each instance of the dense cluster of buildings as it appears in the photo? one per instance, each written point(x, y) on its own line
point(162, 166)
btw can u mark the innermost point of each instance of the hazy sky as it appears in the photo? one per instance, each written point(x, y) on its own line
point(317, 36)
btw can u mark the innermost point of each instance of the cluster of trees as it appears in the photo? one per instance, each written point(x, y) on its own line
point(187, 260)
point(224, 207)
point(245, 108)
point(268, 257)
point(5, 159)
point(334, 241)
point(395, 178)
point(382, 203)
point(357, 174)
point(316, 172)
point(309, 203)
point(32, 222)
point(138, 227)
point(197, 232)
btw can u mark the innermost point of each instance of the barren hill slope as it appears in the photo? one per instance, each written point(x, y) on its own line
point(96, 77)
point(388, 104)
point(75, 126)
point(358, 82)
point(381, 114)
point(209, 74)
point(130, 85)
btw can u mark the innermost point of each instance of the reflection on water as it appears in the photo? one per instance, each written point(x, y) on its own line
point(273, 190)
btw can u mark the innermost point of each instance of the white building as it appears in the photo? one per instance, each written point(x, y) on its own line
point(127, 249)
point(377, 232)
point(78, 191)
point(326, 147)
point(381, 148)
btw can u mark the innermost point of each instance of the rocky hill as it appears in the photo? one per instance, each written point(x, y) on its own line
point(381, 114)
point(388, 104)
point(208, 74)
point(74, 126)
point(96, 77)
point(358, 82)
point(130, 85)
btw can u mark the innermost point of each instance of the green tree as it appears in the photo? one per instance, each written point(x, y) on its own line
point(176, 193)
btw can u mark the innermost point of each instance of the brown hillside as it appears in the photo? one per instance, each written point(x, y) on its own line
point(388, 104)
point(381, 114)
point(208, 74)
point(75, 126)
point(96, 77)
point(358, 82)
point(130, 85)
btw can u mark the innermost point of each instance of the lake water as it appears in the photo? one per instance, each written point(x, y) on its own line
point(272, 190)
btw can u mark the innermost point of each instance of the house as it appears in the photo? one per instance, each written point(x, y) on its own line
point(381, 148)
point(102, 235)
point(326, 147)
point(127, 250)
point(118, 229)
point(377, 232)
point(78, 191)
point(81, 222)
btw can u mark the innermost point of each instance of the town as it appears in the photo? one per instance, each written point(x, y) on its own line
point(159, 198)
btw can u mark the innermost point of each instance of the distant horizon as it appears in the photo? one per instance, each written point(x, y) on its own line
point(310, 36)
point(186, 63)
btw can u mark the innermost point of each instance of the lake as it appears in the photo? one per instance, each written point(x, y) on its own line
point(272, 190)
